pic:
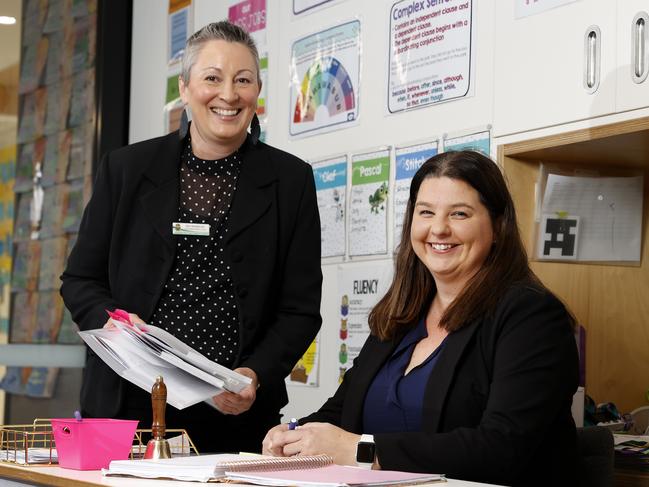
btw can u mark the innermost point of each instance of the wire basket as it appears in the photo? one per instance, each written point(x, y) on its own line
point(33, 444)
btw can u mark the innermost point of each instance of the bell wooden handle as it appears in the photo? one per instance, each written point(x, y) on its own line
point(158, 403)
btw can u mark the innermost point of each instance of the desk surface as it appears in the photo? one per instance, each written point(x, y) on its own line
point(60, 477)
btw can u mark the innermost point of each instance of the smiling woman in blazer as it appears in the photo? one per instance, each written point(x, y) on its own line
point(471, 363)
point(244, 290)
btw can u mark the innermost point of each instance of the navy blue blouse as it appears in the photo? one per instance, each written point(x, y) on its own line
point(394, 401)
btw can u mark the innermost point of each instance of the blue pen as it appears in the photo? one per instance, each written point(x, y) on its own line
point(77, 416)
point(292, 424)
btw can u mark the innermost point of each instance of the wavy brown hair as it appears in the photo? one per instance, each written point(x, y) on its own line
point(413, 287)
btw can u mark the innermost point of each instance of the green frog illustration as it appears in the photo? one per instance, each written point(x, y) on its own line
point(377, 200)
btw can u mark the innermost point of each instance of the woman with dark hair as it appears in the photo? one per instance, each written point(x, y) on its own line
point(242, 287)
point(471, 364)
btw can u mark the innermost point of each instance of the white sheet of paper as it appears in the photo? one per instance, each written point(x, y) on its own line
point(609, 211)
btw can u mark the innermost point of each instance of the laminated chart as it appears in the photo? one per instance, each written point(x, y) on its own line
point(479, 142)
point(326, 84)
point(331, 189)
point(408, 160)
point(325, 74)
point(369, 203)
point(360, 287)
point(430, 53)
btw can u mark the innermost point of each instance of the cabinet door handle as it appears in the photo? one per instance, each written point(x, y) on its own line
point(639, 47)
point(592, 49)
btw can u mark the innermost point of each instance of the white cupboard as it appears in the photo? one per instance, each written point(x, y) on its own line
point(632, 54)
point(570, 63)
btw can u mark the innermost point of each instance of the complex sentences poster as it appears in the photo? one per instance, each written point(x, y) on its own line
point(325, 78)
point(369, 203)
point(359, 289)
point(407, 160)
point(331, 187)
point(479, 141)
point(251, 15)
point(430, 52)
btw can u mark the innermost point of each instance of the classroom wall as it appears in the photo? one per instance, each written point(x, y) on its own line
point(374, 129)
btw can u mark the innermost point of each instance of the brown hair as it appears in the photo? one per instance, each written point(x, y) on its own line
point(413, 287)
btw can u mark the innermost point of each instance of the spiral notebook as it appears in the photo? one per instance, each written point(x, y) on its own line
point(316, 470)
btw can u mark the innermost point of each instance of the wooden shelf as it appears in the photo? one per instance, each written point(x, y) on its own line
point(611, 301)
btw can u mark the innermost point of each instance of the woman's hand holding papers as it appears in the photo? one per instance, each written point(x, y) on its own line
point(312, 439)
point(135, 319)
point(231, 403)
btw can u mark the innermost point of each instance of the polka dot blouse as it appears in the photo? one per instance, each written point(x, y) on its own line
point(197, 304)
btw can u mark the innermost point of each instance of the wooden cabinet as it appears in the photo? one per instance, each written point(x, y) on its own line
point(610, 300)
point(570, 63)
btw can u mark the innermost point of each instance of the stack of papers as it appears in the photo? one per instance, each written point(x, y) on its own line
point(34, 455)
point(632, 452)
point(140, 353)
point(280, 471)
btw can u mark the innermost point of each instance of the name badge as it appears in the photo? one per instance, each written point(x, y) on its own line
point(195, 229)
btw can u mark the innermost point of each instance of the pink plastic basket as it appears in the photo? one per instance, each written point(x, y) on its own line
point(91, 444)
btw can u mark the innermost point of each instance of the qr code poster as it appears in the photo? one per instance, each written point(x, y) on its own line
point(558, 237)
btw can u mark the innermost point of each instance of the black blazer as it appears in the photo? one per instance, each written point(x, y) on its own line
point(497, 404)
point(125, 250)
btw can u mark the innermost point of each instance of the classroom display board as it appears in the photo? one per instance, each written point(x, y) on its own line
point(53, 174)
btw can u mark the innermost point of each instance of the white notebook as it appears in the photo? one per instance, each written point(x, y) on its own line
point(316, 470)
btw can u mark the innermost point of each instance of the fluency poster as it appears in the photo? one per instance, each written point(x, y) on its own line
point(359, 288)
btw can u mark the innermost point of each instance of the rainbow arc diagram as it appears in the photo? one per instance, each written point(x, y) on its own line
point(326, 83)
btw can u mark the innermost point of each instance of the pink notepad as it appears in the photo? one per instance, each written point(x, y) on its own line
point(334, 476)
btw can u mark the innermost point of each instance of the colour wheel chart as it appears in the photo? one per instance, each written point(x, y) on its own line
point(326, 84)
point(325, 75)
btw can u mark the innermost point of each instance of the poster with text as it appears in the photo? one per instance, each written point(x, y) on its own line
point(430, 53)
point(251, 15)
point(407, 160)
point(325, 79)
point(359, 289)
point(307, 369)
point(369, 203)
point(525, 8)
point(479, 142)
point(179, 28)
point(331, 189)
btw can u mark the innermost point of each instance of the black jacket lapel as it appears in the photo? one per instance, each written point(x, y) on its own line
point(443, 374)
point(254, 195)
point(160, 202)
